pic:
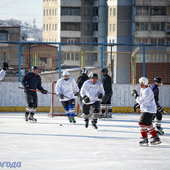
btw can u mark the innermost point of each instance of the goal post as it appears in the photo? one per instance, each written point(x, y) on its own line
point(56, 108)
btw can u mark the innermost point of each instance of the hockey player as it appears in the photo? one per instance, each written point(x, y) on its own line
point(147, 108)
point(106, 100)
point(32, 81)
point(3, 71)
point(91, 91)
point(82, 78)
point(66, 88)
point(157, 83)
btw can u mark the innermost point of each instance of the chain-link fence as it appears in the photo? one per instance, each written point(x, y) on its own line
point(51, 58)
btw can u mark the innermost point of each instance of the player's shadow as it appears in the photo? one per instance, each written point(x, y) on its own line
point(66, 135)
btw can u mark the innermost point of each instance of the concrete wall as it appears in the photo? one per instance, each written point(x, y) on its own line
point(11, 95)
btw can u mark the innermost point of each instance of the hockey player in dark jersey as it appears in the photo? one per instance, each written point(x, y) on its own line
point(32, 81)
point(82, 78)
point(106, 101)
point(157, 83)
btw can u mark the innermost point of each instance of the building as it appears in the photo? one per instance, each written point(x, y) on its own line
point(73, 22)
point(9, 52)
point(152, 26)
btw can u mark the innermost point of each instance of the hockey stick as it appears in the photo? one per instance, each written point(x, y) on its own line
point(133, 65)
point(35, 90)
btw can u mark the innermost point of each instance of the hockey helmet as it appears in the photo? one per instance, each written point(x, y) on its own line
point(157, 80)
point(84, 71)
point(34, 68)
point(144, 80)
point(66, 73)
point(93, 76)
point(104, 70)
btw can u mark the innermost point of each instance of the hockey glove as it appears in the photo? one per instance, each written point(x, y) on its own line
point(5, 66)
point(86, 99)
point(61, 96)
point(44, 91)
point(136, 106)
point(27, 86)
point(135, 94)
point(100, 96)
point(160, 109)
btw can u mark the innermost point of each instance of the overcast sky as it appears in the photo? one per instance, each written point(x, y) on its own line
point(25, 10)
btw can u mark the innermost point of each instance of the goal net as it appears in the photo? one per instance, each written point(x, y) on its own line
point(56, 108)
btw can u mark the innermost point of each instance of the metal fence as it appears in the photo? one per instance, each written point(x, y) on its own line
point(150, 60)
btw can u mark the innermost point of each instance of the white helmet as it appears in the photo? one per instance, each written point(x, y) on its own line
point(66, 73)
point(144, 80)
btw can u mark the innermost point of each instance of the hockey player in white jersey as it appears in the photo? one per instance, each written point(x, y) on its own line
point(3, 71)
point(66, 88)
point(148, 108)
point(91, 92)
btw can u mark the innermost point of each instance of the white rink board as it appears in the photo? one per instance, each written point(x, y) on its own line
point(11, 95)
point(47, 145)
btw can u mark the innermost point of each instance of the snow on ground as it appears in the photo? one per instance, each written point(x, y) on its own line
point(46, 145)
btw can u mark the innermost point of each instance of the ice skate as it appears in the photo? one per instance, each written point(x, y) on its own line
point(32, 119)
point(86, 123)
point(155, 141)
point(73, 119)
point(70, 119)
point(94, 124)
point(144, 142)
point(26, 116)
point(159, 131)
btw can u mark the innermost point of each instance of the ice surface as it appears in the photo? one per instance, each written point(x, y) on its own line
point(46, 145)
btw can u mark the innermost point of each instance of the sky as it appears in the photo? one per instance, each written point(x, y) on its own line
point(24, 10)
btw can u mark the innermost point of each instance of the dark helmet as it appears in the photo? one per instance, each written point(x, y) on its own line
point(84, 71)
point(34, 68)
point(93, 75)
point(104, 70)
point(157, 80)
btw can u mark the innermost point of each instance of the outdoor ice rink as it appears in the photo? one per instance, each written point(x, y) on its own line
point(46, 145)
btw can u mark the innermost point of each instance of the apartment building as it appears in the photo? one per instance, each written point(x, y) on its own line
point(152, 26)
point(73, 22)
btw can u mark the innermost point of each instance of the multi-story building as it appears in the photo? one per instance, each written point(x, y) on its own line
point(152, 26)
point(73, 22)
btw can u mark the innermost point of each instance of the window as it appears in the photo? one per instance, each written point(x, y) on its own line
point(70, 11)
point(95, 11)
point(142, 10)
point(66, 26)
point(141, 26)
point(110, 11)
point(158, 10)
point(110, 27)
point(3, 35)
point(168, 10)
point(52, 12)
point(76, 57)
point(55, 27)
point(72, 56)
point(44, 12)
point(161, 41)
point(114, 11)
point(47, 27)
point(55, 12)
point(44, 27)
point(113, 27)
point(68, 56)
point(158, 26)
point(153, 41)
point(95, 27)
point(47, 12)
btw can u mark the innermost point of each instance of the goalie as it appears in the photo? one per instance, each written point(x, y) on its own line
point(91, 91)
point(66, 88)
